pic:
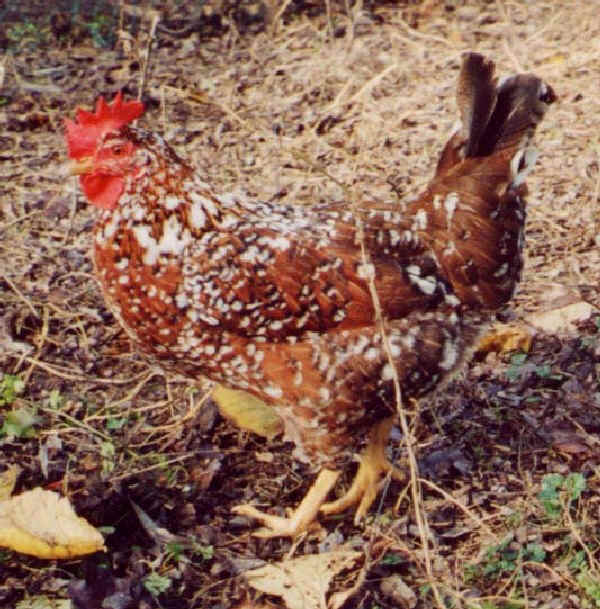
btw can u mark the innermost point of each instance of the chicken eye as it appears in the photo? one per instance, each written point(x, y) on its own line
point(546, 94)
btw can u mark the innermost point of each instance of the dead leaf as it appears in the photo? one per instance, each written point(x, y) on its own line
point(247, 411)
point(43, 602)
point(302, 582)
point(503, 338)
point(395, 589)
point(159, 534)
point(8, 479)
point(564, 319)
point(43, 524)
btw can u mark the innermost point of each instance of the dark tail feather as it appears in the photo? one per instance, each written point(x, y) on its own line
point(476, 98)
point(522, 101)
point(495, 116)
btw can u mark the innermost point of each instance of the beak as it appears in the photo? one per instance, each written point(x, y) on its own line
point(80, 166)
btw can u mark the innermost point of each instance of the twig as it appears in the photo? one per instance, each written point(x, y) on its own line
point(20, 294)
point(508, 41)
point(466, 511)
point(153, 24)
point(277, 16)
point(77, 377)
point(160, 465)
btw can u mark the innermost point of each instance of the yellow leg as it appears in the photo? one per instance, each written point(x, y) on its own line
point(304, 514)
point(365, 486)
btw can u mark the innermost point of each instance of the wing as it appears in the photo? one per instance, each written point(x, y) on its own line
point(278, 271)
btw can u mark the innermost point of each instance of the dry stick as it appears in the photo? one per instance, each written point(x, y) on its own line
point(412, 461)
point(154, 23)
point(466, 511)
point(277, 16)
point(329, 19)
point(72, 212)
point(42, 339)
point(508, 41)
point(593, 563)
point(596, 197)
point(155, 466)
point(415, 485)
point(56, 370)
point(350, 32)
point(20, 294)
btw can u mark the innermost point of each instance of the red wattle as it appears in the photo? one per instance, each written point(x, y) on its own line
point(102, 190)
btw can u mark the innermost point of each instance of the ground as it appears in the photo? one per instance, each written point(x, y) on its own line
point(308, 103)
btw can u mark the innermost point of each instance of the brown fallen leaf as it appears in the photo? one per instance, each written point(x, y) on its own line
point(563, 319)
point(43, 524)
point(396, 590)
point(302, 582)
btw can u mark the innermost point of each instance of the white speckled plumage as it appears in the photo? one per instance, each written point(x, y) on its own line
point(274, 298)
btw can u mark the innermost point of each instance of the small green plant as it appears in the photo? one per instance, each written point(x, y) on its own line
point(101, 30)
point(175, 551)
point(560, 492)
point(19, 422)
point(116, 423)
point(206, 552)
point(56, 400)
point(26, 32)
point(156, 584)
point(578, 562)
point(591, 588)
point(10, 387)
point(504, 558)
point(514, 370)
point(391, 558)
point(107, 451)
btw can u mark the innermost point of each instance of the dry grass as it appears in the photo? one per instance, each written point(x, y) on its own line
point(295, 114)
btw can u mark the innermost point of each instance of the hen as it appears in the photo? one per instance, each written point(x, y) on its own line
point(275, 299)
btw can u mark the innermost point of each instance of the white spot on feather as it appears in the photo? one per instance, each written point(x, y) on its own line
point(420, 221)
point(528, 156)
point(171, 242)
point(449, 355)
point(450, 204)
point(171, 202)
point(387, 373)
point(274, 391)
point(324, 394)
point(147, 242)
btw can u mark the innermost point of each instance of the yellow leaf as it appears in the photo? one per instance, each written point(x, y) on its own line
point(43, 602)
point(247, 411)
point(505, 337)
point(302, 582)
point(43, 524)
point(8, 479)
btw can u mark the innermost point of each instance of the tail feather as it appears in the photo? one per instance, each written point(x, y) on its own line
point(476, 98)
point(521, 103)
point(495, 116)
point(474, 212)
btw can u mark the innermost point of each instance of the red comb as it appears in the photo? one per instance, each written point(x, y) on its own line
point(85, 131)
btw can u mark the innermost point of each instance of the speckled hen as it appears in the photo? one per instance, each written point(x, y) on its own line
point(274, 299)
